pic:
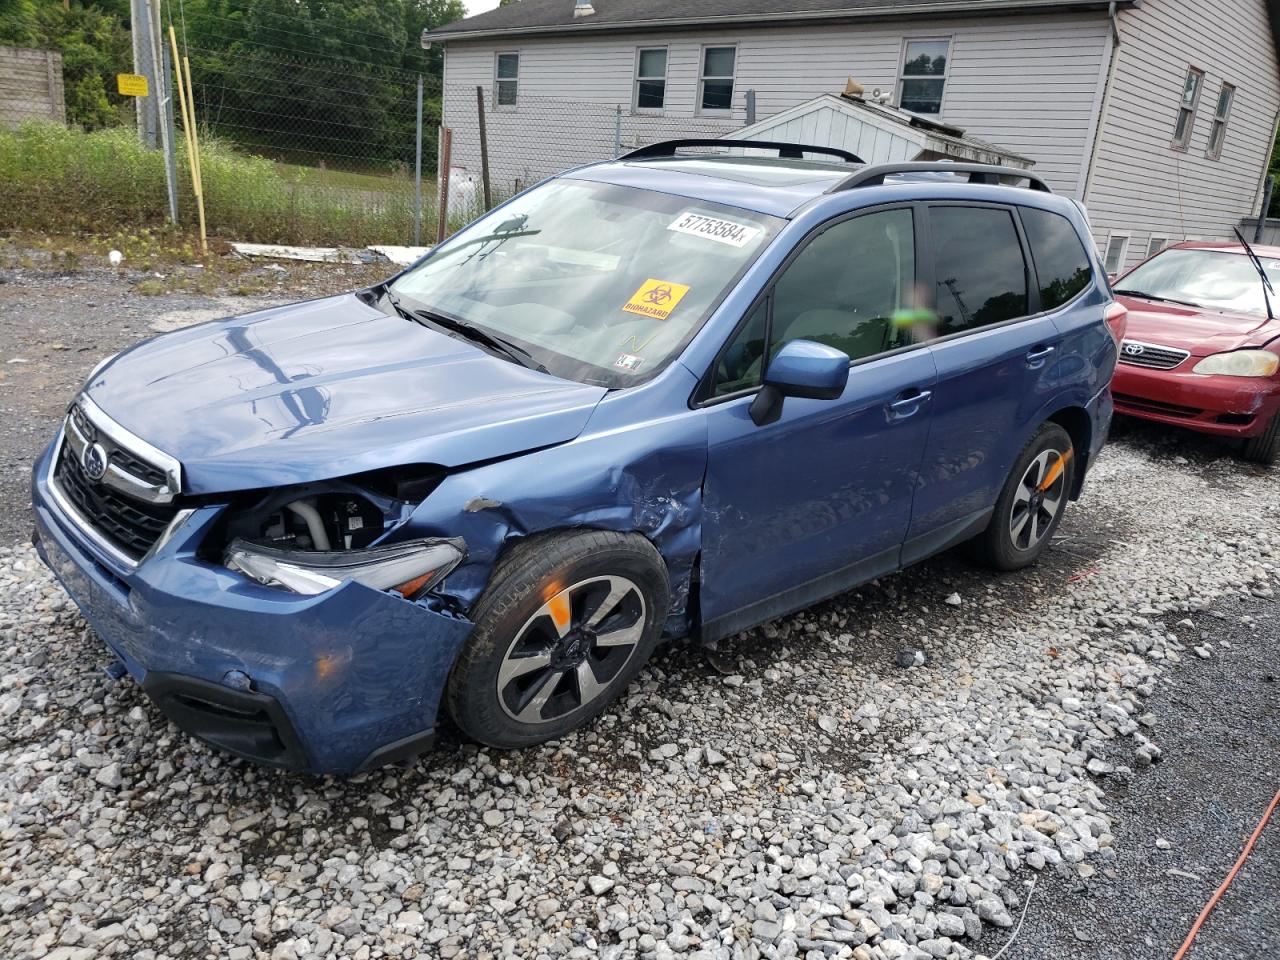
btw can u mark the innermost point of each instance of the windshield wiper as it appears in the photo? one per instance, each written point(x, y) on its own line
point(427, 318)
point(1267, 290)
point(1151, 296)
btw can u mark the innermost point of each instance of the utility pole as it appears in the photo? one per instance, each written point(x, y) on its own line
point(139, 32)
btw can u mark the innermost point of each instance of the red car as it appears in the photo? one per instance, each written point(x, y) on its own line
point(1202, 346)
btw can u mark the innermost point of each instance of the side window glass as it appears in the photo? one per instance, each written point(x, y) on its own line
point(741, 364)
point(848, 286)
point(981, 273)
point(1061, 261)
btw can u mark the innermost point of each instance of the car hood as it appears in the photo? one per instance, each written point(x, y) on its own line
point(1202, 332)
point(329, 388)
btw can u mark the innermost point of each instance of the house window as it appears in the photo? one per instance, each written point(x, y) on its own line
point(718, 65)
point(924, 75)
point(1218, 135)
point(1117, 249)
point(651, 78)
point(1187, 109)
point(506, 79)
point(1156, 245)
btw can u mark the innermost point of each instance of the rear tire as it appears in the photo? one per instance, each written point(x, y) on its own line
point(1032, 502)
point(1265, 447)
point(565, 624)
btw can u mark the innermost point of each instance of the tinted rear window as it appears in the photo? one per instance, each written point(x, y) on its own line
point(982, 275)
point(1061, 261)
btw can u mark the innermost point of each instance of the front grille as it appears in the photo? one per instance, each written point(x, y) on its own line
point(1138, 354)
point(1156, 406)
point(131, 525)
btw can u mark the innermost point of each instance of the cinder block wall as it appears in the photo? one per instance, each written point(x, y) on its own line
point(31, 86)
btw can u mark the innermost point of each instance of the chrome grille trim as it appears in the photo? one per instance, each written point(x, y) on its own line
point(1136, 353)
point(134, 449)
point(85, 528)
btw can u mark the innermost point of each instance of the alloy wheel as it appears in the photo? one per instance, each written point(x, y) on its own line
point(568, 653)
point(1039, 499)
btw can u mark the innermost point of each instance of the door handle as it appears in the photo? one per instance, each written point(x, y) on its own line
point(1039, 355)
point(906, 405)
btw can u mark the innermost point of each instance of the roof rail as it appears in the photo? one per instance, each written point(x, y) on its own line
point(874, 176)
point(787, 151)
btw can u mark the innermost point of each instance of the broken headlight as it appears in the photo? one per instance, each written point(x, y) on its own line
point(409, 568)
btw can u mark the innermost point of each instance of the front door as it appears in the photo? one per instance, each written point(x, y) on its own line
point(805, 507)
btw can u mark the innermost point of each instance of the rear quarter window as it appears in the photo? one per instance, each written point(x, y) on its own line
point(1062, 264)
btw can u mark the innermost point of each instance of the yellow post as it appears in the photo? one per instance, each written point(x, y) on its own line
point(186, 101)
point(188, 130)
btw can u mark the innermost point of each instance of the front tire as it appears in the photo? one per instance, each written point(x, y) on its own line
point(1265, 447)
point(1032, 502)
point(566, 623)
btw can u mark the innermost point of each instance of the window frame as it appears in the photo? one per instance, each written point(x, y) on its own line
point(1221, 121)
point(1189, 110)
point(636, 78)
point(1029, 253)
point(703, 395)
point(902, 66)
point(703, 78)
point(498, 81)
point(1124, 252)
point(1151, 242)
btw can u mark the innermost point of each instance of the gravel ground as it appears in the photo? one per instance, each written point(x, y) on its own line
point(814, 800)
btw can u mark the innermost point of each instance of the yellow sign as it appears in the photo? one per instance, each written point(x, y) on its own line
point(656, 299)
point(131, 85)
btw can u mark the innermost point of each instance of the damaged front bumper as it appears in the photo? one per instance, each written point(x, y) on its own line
point(342, 681)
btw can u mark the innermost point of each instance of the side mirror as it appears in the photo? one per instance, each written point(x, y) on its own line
point(802, 368)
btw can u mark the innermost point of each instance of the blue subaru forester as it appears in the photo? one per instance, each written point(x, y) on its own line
point(672, 395)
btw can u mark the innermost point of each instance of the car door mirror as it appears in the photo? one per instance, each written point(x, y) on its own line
point(802, 368)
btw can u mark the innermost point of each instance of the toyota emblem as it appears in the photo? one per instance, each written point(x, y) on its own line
point(1134, 349)
point(95, 462)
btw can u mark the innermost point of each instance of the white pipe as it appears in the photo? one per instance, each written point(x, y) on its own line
point(315, 526)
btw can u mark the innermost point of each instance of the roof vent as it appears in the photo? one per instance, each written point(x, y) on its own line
point(582, 8)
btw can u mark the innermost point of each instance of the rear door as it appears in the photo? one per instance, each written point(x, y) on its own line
point(995, 356)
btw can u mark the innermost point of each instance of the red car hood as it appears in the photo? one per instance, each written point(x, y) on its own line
point(1201, 331)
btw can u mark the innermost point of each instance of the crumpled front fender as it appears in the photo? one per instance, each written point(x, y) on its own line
point(633, 470)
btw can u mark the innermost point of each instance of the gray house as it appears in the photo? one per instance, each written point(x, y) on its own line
point(1159, 114)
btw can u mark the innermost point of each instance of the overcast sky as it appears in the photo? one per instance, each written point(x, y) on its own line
point(479, 6)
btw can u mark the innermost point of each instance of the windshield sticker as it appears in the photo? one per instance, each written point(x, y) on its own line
point(711, 228)
point(656, 299)
point(628, 362)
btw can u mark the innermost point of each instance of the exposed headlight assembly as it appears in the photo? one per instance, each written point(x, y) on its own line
point(1241, 363)
point(409, 568)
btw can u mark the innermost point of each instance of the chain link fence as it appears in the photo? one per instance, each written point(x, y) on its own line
point(542, 136)
point(342, 134)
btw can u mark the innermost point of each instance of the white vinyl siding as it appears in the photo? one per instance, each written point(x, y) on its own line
point(1030, 84)
point(1140, 184)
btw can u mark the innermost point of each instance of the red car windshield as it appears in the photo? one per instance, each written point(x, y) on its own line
point(1214, 279)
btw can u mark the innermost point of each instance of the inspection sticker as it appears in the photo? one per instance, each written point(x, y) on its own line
point(628, 362)
point(656, 299)
point(711, 228)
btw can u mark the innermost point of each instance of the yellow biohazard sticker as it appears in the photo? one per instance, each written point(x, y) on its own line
point(656, 299)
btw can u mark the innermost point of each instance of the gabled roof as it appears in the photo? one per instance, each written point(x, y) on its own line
point(876, 132)
point(541, 17)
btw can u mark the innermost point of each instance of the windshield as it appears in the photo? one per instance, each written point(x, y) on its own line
point(598, 283)
point(1217, 279)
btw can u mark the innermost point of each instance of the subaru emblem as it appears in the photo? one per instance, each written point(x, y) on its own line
point(95, 462)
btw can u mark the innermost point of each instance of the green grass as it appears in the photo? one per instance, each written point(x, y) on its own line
point(54, 179)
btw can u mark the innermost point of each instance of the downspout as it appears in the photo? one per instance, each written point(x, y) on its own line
point(1104, 101)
